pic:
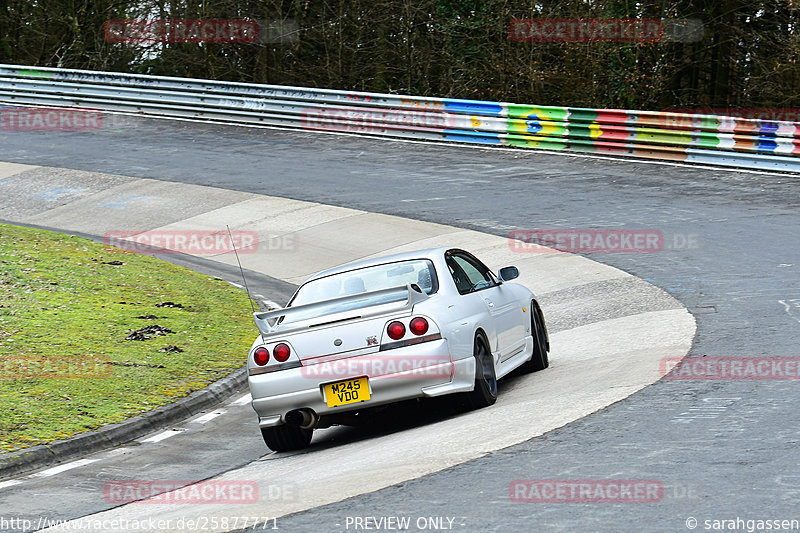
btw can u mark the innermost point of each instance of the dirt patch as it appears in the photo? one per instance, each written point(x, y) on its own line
point(148, 332)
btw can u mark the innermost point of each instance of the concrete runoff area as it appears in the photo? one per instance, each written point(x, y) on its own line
point(592, 365)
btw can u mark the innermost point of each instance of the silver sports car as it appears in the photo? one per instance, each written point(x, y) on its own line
point(412, 325)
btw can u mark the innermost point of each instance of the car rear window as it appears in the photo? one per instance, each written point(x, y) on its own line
point(419, 272)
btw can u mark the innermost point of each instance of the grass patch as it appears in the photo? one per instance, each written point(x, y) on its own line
point(66, 307)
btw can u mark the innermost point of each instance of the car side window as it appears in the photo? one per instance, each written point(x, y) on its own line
point(468, 274)
point(459, 278)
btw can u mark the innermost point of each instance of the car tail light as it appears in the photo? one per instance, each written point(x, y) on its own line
point(281, 352)
point(261, 356)
point(396, 330)
point(418, 326)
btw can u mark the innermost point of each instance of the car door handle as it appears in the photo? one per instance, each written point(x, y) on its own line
point(489, 302)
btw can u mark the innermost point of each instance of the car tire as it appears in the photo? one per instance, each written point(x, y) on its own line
point(485, 392)
point(539, 360)
point(286, 438)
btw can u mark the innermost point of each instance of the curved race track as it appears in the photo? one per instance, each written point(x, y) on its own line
point(609, 332)
point(722, 449)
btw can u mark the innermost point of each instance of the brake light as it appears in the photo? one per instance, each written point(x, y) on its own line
point(418, 326)
point(396, 330)
point(281, 352)
point(261, 356)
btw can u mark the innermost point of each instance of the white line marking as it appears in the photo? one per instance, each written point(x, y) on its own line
point(62, 468)
point(9, 483)
point(209, 416)
point(161, 436)
point(434, 199)
point(243, 400)
point(236, 285)
point(788, 307)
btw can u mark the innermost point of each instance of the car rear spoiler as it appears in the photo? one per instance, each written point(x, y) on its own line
point(414, 296)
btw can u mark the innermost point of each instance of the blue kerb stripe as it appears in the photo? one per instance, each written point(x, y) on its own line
point(768, 127)
point(471, 137)
point(473, 107)
point(767, 144)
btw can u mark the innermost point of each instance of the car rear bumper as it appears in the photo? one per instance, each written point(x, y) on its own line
point(422, 370)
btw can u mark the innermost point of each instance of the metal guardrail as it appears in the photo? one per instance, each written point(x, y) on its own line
point(707, 139)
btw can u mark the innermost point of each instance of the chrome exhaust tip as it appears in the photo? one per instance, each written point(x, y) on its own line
point(303, 418)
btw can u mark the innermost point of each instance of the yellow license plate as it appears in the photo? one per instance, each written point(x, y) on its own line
point(347, 391)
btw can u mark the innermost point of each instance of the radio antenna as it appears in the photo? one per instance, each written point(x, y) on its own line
point(246, 289)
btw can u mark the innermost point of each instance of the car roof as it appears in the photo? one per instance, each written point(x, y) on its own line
point(429, 253)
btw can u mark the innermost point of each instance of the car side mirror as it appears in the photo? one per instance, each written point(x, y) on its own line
point(508, 273)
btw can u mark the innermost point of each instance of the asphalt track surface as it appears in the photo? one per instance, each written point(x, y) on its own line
point(722, 449)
